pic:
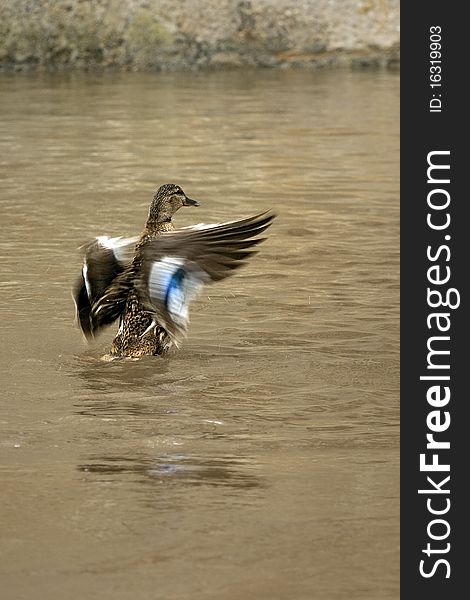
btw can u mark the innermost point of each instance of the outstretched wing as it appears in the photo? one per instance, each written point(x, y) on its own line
point(104, 263)
point(178, 264)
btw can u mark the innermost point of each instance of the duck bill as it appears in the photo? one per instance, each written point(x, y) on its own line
point(190, 202)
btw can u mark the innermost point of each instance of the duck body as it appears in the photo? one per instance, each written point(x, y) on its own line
point(136, 336)
point(150, 294)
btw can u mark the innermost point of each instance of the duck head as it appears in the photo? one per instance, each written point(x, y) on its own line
point(167, 200)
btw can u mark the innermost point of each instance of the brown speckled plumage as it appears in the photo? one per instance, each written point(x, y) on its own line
point(131, 339)
point(151, 294)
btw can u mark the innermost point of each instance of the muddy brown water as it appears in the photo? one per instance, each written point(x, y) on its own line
point(260, 461)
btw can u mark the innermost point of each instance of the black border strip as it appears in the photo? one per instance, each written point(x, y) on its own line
point(422, 132)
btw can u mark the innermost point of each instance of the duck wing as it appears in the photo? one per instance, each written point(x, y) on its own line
point(178, 264)
point(105, 262)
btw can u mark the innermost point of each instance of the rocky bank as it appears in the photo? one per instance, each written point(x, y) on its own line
point(193, 34)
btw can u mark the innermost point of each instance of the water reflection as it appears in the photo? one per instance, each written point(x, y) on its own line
point(176, 469)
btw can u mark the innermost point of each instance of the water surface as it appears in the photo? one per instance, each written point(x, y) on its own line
point(261, 460)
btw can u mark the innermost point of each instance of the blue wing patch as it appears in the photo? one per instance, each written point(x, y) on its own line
point(173, 283)
point(175, 297)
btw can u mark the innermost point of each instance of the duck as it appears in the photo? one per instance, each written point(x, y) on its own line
point(148, 282)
